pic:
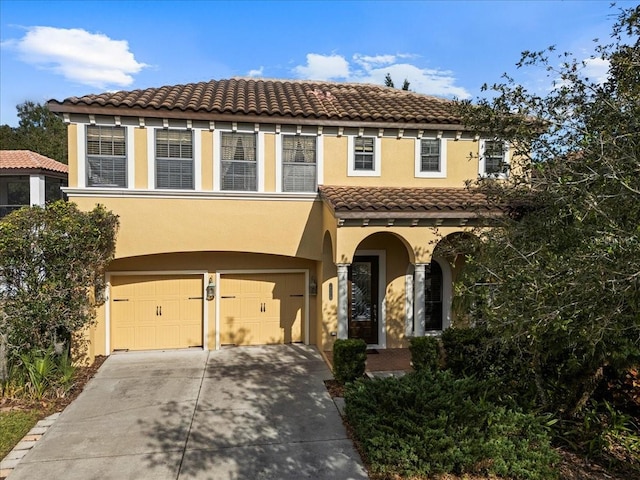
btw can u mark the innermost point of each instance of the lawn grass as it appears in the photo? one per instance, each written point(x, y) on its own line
point(14, 425)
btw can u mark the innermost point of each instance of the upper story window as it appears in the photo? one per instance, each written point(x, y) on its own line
point(299, 163)
point(174, 159)
point(494, 159)
point(106, 156)
point(238, 161)
point(364, 156)
point(431, 158)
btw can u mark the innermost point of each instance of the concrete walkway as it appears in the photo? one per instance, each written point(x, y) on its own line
point(241, 413)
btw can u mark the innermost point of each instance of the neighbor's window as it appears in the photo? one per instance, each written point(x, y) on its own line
point(298, 163)
point(238, 161)
point(430, 155)
point(106, 156)
point(174, 159)
point(364, 153)
point(495, 158)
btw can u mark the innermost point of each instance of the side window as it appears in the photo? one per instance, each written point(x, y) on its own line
point(174, 159)
point(298, 163)
point(106, 156)
point(364, 154)
point(494, 159)
point(238, 161)
point(431, 158)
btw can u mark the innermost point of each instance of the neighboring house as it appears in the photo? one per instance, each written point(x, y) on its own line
point(267, 211)
point(28, 178)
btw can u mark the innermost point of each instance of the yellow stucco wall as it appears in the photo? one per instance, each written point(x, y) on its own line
point(163, 225)
point(72, 140)
point(140, 152)
point(207, 160)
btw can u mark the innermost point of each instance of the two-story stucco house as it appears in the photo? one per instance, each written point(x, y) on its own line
point(268, 211)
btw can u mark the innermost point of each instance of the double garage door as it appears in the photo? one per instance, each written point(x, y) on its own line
point(166, 311)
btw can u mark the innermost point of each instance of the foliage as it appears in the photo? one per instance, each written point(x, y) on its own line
point(349, 359)
point(388, 82)
point(51, 258)
point(39, 374)
point(565, 259)
point(39, 130)
point(425, 353)
point(14, 425)
point(604, 433)
point(478, 352)
point(428, 423)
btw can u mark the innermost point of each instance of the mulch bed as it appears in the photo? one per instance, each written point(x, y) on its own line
point(52, 405)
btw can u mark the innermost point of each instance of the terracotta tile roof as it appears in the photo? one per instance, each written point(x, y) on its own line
point(26, 159)
point(273, 98)
point(413, 201)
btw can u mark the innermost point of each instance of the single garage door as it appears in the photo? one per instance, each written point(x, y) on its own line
point(261, 309)
point(155, 312)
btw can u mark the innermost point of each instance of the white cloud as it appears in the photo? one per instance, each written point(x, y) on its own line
point(374, 68)
point(323, 67)
point(80, 56)
point(596, 69)
point(257, 72)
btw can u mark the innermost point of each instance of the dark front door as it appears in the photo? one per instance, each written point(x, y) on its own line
point(363, 299)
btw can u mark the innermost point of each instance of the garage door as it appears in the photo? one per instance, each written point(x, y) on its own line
point(261, 309)
point(155, 312)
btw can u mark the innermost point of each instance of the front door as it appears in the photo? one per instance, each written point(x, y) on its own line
point(363, 299)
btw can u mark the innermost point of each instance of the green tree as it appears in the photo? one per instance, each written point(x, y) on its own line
point(51, 259)
point(564, 260)
point(39, 130)
point(388, 82)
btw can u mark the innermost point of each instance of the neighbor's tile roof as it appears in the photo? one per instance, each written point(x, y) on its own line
point(344, 199)
point(26, 159)
point(273, 98)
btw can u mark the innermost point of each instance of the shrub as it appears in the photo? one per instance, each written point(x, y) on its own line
point(349, 358)
point(428, 423)
point(425, 353)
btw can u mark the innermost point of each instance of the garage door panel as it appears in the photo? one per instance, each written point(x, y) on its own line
point(258, 309)
point(156, 311)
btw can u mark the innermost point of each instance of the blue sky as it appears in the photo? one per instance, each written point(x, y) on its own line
point(58, 49)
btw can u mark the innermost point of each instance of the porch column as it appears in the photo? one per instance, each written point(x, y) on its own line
point(418, 300)
point(343, 300)
point(36, 190)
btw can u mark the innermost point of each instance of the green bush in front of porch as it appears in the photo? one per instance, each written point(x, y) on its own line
point(349, 359)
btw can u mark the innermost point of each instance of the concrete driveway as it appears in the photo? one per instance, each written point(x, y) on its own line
point(240, 413)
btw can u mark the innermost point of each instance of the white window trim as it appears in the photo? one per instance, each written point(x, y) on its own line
point(217, 158)
point(130, 149)
point(279, 159)
point(351, 171)
point(81, 180)
point(481, 163)
point(443, 159)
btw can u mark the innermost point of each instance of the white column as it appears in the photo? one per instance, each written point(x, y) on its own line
point(418, 303)
point(343, 300)
point(36, 190)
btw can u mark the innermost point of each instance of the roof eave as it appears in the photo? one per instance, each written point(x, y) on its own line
point(57, 107)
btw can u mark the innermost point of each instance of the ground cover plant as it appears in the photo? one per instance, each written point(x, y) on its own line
point(14, 425)
point(432, 422)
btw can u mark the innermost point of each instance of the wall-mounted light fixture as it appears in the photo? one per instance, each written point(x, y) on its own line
point(313, 286)
point(211, 289)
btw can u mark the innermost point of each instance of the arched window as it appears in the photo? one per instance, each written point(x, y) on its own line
point(433, 297)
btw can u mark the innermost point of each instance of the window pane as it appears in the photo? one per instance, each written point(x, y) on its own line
point(299, 178)
point(364, 153)
point(106, 156)
point(298, 163)
point(238, 146)
point(174, 159)
point(430, 155)
point(494, 158)
point(433, 297)
point(239, 176)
